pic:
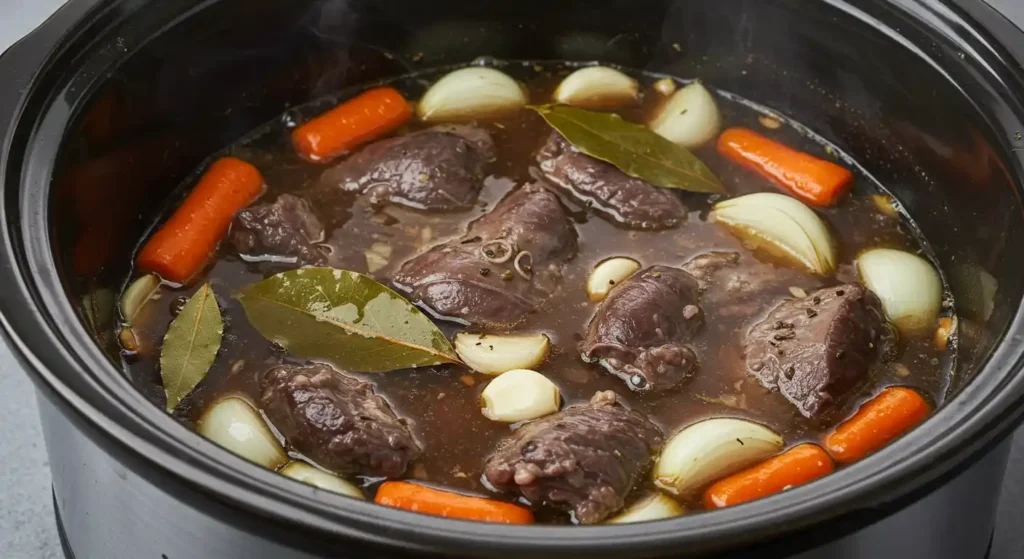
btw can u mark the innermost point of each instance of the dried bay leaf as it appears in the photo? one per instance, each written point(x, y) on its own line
point(190, 345)
point(346, 318)
point(635, 149)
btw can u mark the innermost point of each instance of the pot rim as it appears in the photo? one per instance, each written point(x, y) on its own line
point(44, 330)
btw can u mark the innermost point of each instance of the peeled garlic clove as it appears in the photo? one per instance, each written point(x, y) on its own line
point(235, 425)
point(907, 285)
point(519, 395)
point(608, 274)
point(469, 93)
point(689, 117)
point(136, 296)
point(493, 354)
point(712, 449)
point(665, 86)
point(597, 87)
point(656, 506)
point(782, 226)
point(309, 475)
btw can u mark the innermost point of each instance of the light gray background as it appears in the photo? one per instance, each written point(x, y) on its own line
point(27, 528)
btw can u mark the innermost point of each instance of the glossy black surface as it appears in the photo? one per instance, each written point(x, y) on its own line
point(929, 105)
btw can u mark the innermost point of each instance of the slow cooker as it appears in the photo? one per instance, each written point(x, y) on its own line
point(111, 103)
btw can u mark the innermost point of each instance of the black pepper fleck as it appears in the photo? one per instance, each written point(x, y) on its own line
point(816, 300)
point(840, 293)
point(485, 271)
point(811, 313)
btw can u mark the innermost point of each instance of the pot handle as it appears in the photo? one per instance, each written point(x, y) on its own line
point(22, 60)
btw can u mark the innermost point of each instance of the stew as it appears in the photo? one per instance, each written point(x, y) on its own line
point(540, 293)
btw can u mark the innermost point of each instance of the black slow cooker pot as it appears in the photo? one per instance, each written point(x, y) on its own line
point(111, 103)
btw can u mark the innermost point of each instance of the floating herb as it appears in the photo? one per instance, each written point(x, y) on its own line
point(633, 148)
point(190, 346)
point(346, 318)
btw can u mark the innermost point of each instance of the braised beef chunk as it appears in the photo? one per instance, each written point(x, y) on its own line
point(629, 201)
point(286, 229)
point(640, 331)
point(815, 348)
point(337, 421)
point(436, 169)
point(584, 459)
point(736, 286)
point(506, 264)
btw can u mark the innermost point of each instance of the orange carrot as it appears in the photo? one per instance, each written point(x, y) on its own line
point(812, 180)
point(417, 498)
point(888, 415)
point(180, 248)
point(796, 466)
point(358, 120)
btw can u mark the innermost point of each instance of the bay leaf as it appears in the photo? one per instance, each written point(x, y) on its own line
point(346, 318)
point(635, 149)
point(190, 345)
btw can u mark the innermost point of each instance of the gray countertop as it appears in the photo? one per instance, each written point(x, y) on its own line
point(27, 529)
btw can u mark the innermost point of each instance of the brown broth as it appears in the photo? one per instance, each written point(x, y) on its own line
point(442, 403)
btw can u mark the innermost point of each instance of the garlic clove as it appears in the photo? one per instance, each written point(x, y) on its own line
point(471, 93)
point(656, 506)
point(238, 427)
point(137, 295)
point(520, 395)
point(609, 273)
point(300, 471)
point(907, 285)
point(710, 450)
point(493, 354)
point(597, 87)
point(689, 117)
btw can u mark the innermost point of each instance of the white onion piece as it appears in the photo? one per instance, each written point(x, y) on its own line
point(783, 226)
point(656, 506)
point(520, 395)
point(469, 93)
point(608, 274)
point(300, 471)
point(712, 449)
point(597, 87)
point(235, 425)
point(689, 117)
point(136, 296)
point(493, 354)
point(908, 286)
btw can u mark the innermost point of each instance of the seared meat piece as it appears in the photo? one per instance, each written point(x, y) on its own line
point(732, 289)
point(474, 279)
point(286, 229)
point(436, 169)
point(815, 348)
point(640, 331)
point(337, 421)
point(629, 201)
point(584, 459)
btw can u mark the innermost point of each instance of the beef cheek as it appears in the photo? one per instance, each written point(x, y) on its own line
point(440, 168)
point(815, 348)
point(285, 230)
point(629, 201)
point(337, 421)
point(476, 280)
point(584, 459)
point(640, 331)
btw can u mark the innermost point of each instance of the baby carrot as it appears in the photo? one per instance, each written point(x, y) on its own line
point(796, 466)
point(183, 244)
point(812, 180)
point(358, 120)
point(890, 414)
point(417, 498)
